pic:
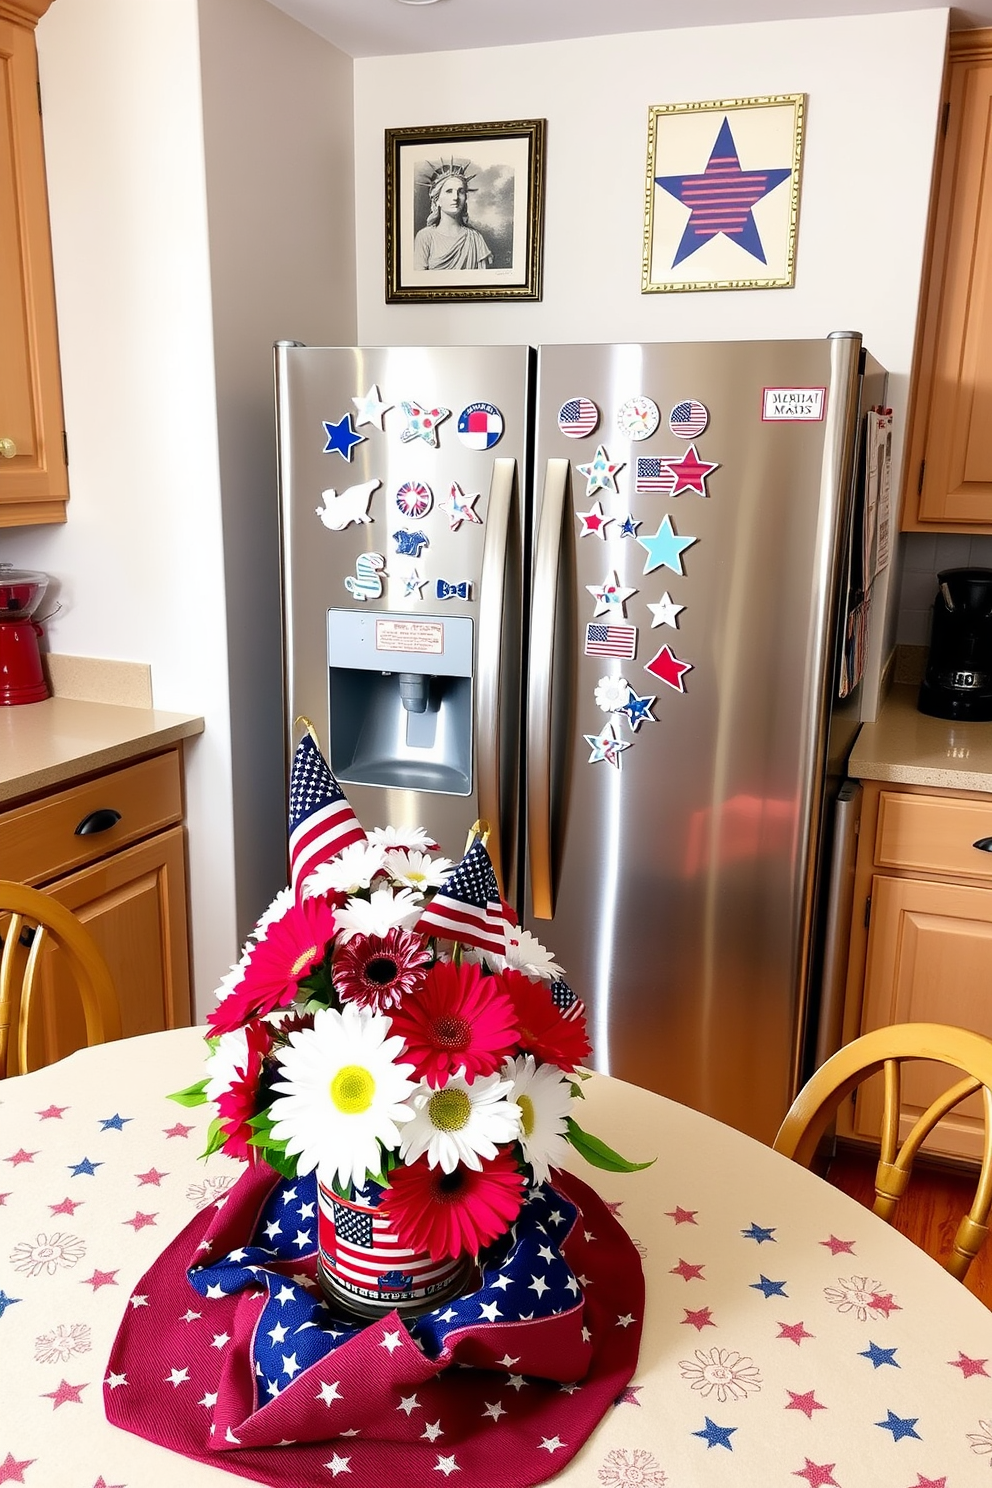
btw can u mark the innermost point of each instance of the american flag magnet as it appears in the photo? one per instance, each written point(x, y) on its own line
point(611, 640)
point(578, 417)
point(688, 419)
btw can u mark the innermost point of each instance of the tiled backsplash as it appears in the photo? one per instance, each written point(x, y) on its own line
point(924, 556)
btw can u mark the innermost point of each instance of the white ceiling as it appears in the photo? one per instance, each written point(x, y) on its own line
point(376, 28)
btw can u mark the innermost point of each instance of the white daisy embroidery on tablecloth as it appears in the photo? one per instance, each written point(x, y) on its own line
point(62, 1343)
point(202, 1194)
point(866, 1299)
point(47, 1253)
point(721, 1372)
point(636, 1469)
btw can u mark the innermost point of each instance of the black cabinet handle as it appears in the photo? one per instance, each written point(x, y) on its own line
point(984, 844)
point(100, 821)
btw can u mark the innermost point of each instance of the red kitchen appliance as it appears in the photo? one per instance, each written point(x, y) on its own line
point(22, 679)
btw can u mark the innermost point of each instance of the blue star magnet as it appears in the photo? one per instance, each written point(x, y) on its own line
point(758, 1233)
point(665, 549)
point(879, 1356)
point(769, 1288)
point(716, 1436)
point(721, 198)
point(341, 437)
point(637, 710)
point(628, 527)
point(900, 1426)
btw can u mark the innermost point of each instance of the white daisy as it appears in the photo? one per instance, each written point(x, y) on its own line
point(612, 693)
point(342, 1099)
point(461, 1122)
point(228, 1056)
point(379, 913)
point(545, 1098)
point(416, 869)
point(351, 870)
point(524, 952)
point(275, 911)
point(409, 837)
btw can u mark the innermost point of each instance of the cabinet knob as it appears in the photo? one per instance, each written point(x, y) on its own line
point(8, 449)
point(984, 844)
point(98, 821)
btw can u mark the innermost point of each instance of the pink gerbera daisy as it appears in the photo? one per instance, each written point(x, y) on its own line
point(543, 1031)
point(459, 1019)
point(238, 1104)
point(378, 971)
point(292, 947)
point(452, 1214)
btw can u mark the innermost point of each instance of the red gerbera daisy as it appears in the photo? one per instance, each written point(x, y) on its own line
point(237, 1104)
point(458, 1019)
point(292, 946)
point(378, 971)
point(452, 1214)
point(543, 1031)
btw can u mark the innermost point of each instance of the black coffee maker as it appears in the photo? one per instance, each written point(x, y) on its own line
point(958, 679)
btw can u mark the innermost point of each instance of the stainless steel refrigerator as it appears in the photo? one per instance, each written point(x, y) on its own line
point(596, 596)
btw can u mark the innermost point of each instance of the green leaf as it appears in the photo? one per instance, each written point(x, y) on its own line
point(216, 1136)
point(598, 1155)
point(193, 1095)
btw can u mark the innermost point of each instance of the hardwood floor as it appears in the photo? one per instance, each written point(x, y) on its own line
point(928, 1212)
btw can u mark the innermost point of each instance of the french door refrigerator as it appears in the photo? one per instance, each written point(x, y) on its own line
point(595, 598)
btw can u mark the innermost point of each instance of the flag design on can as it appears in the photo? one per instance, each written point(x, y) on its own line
point(480, 426)
point(653, 475)
point(611, 640)
point(688, 419)
point(414, 499)
point(578, 417)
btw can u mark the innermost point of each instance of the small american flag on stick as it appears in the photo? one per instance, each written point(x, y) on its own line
point(321, 822)
point(468, 906)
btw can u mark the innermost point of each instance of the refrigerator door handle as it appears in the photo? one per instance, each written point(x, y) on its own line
point(544, 625)
point(489, 668)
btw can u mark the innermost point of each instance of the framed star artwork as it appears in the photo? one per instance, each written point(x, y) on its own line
point(721, 196)
point(464, 211)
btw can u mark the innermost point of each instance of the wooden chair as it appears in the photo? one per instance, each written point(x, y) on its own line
point(886, 1049)
point(31, 923)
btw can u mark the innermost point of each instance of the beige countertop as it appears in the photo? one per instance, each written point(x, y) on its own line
point(912, 748)
point(53, 742)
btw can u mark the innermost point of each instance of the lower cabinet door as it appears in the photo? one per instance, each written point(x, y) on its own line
point(134, 905)
point(929, 961)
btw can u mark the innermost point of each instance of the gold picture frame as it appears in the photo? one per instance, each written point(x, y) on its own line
point(721, 198)
point(488, 247)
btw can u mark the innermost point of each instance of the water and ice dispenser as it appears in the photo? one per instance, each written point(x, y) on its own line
point(401, 700)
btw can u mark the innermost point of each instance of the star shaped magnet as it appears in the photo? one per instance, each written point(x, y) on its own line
point(413, 585)
point(601, 472)
point(606, 745)
point(665, 549)
point(421, 423)
point(460, 508)
point(666, 611)
point(611, 596)
point(594, 522)
point(637, 710)
point(668, 669)
point(341, 437)
point(690, 472)
point(628, 527)
point(371, 409)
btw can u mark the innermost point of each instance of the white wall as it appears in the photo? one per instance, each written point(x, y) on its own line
point(196, 217)
point(873, 89)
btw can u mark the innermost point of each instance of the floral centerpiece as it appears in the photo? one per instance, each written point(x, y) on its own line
point(390, 1028)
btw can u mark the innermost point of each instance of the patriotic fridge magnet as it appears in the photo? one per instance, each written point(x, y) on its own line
point(607, 746)
point(688, 419)
point(422, 423)
point(665, 611)
point(480, 426)
point(338, 512)
point(366, 582)
point(652, 476)
point(413, 585)
point(371, 409)
point(410, 544)
point(611, 640)
point(460, 508)
point(637, 710)
point(628, 526)
point(601, 472)
point(578, 417)
point(611, 596)
point(690, 472)
point(612, 693)
point(594, 521)
point(414, 498)
point(638, 418)
point(341, 438)
point(445, 589)
point(665, 549)
point(668, 669)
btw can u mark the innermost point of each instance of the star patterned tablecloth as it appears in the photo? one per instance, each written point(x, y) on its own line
point(789, 1338)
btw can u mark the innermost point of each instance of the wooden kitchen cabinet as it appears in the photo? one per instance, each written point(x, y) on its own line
point(33, 474)
point(124, 878)
point(949, 447)
point(922, 947)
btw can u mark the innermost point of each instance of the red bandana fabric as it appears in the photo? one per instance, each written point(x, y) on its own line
point(232, 1357)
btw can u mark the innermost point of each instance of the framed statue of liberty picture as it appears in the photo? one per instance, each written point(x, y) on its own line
point(464, 210)
point(721, 198)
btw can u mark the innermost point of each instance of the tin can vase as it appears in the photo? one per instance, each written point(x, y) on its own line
point(362, 1265)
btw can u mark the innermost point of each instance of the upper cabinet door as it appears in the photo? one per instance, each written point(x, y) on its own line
point(33, 477)
point(949, 460)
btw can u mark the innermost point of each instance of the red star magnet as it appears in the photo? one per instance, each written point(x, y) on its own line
point(668, 669)
point(690, 472)
point(594, 521)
